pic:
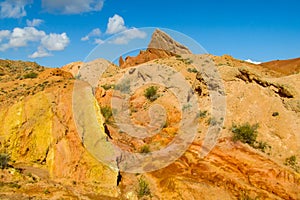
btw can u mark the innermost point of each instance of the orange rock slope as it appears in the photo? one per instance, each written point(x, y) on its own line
point(50, 160)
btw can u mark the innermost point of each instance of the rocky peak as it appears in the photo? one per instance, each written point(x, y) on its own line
point(161, 40)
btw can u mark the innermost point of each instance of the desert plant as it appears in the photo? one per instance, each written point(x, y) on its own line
point(202, 114)
point(31, 75)
point(186, 107)
point(245, 133)
point(143, 188)
point(107, 113)
point(212, 121)
point(124, 86)
point(145, 149)
point(14, 185)
point(263, 146)
point(151, 93)
point(107, 86)
point(192, 70)
point(292, 162)
point(4, 159)
point(46, 191)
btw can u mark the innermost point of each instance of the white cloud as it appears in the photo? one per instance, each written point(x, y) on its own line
point(85, 38)
point(55, 42)
point(128, 35)
point(40, 53)
point(98, 41)
point(115, 24)
point(253, 62)
point(20, 37)
point(93, 33)
point(72, 6)
point(4, 34)
point(34, 22)
point(13, 8)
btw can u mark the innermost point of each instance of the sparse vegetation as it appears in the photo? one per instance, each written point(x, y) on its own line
point(143, 188)
point(4, 159)
point(46, 191)
point(212, 121)
point(10, 184)
point(186, 61)
point(247, 133)
point(292, 162)
point(186, 106)
point(192, 70)
point(31, 75)
point(263, 146)
point(151, 93)
point(107, 86)
point(14, 185)
point(145, 149)
point(107, 113)
point(124, 86)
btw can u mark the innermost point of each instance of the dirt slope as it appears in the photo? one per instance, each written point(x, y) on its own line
point(286, 67)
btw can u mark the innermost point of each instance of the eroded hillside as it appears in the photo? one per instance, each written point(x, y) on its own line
point(48, 151)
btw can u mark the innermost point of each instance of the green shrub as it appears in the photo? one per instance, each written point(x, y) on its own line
point(145, 149)
point(4, 159)
point(212, 121)
point(263, 146)
point(14, 185)
point(192, 70)
point(292, 162)
point(46, 191)
point(107, 113)
point(245, 133)
point(202, 114)
point(124, 86)
point(143, 189)
point(107, 86)
point(31, 75)
point(151, 93)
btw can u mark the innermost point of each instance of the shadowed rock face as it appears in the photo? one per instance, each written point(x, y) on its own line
point(161, 40)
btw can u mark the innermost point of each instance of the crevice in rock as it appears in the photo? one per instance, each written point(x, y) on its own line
point(43, 162)
point(119, 178)
point(106, 130)
point(281, 90)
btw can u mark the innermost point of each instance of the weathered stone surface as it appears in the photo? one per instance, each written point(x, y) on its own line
point(162, 41)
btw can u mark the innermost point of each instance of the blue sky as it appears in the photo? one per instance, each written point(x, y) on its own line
point(56, 32)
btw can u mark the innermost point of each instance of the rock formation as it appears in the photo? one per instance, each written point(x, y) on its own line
point(162, 41)
point(160, 46)
point(49, 159)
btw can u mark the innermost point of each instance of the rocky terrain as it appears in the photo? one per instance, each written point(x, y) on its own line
point(256, 155)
